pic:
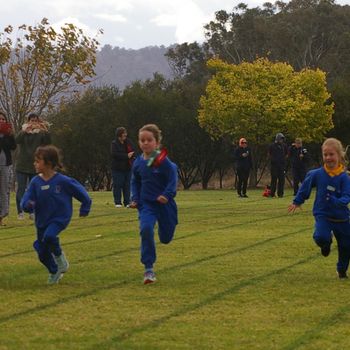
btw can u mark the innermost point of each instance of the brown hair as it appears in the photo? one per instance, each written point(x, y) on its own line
point(50, 155)
point(32, 116)
point(120, 131)
point(337, 145)
point(153, 128)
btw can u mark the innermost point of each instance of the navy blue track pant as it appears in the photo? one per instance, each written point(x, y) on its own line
point(341, 231)
point(149, 214)
point(47, 245)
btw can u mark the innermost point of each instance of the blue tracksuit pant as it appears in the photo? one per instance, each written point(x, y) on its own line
point(341, 231)
point(149, 214)
point(47, 244)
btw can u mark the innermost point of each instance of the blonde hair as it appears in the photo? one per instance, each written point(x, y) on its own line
point(337, 145)
point(153, 128)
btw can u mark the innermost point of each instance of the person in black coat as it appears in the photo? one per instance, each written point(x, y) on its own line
point(7, 144)
point(278, 152)
point(243, 160)
point(299, 158)
point(123, 154)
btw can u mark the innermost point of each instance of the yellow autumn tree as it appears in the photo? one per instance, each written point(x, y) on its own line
point(42, 65)
point(257, 100)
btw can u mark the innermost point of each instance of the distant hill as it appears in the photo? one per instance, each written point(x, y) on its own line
point(118, 66)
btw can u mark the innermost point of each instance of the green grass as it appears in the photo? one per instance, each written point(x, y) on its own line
point(240, 274)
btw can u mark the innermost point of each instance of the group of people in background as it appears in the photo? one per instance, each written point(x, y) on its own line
point(148, 183)
point(279, 153)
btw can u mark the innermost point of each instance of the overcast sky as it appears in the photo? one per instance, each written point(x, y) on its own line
point(126, 23)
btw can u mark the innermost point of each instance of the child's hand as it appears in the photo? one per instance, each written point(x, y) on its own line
point(133, 205)
point(162, 199)
point(292, 207)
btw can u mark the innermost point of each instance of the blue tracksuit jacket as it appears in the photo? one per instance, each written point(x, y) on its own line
point(53, 200)
point(332, 194)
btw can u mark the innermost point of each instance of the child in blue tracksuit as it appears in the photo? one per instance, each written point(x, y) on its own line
point(49, 197)
point(331, 203)
point(153, 188)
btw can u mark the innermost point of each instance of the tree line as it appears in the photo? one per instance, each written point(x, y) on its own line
point(305, 35)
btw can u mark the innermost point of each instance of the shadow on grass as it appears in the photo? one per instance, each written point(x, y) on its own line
point(195, 306)
point(314, 332)
point(93, 291)
point(176, 238)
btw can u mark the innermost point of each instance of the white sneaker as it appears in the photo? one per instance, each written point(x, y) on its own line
point(32, 216)
point(149, 277)
point(118, 206)
point(20, 216)
point(62, 263)
point(54, 277)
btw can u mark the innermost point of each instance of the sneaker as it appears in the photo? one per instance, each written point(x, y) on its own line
point(118, 206)
point(325, 250)
point(32, 216)
point(54, 277)
point(62, 263)
point(20, 216)
point(149, 277)
point(342, 274)
point(245, 196)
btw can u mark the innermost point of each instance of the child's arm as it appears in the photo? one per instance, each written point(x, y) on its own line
point(28, 200)
point(80, 193)
point(292, 207)
point(170, 189)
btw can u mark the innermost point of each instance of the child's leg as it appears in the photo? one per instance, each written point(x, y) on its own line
point(147, 217)
point(342, 235)
point(167, 221)
point(45, 256)
point(51, 240)
point(323, 233)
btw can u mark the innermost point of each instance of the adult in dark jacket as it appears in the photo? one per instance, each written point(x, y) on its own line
point(278, 152)
point(34, 133)
point(123, 154)
point(243, 160)
point(7, 144)
point(299, 158)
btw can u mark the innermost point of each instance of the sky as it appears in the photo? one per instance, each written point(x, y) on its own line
point(131, 24)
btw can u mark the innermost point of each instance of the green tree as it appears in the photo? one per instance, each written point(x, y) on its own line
point(41, 66)
point(84, 129)
point(259, 99)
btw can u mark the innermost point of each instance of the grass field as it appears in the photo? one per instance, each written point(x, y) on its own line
point(240, 274)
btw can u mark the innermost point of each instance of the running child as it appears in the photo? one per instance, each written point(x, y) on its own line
point(153, 187)
point(49, 197)
point(330, 208)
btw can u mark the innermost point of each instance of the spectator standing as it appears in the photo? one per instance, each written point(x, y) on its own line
point(243, 160)
point(299, 158)
point(7, 144)
point(123, 155)
point(278, 152)
point(34, 133)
